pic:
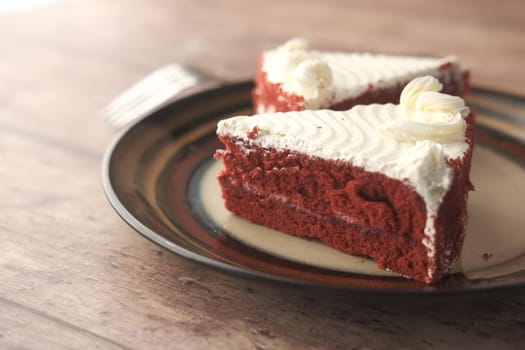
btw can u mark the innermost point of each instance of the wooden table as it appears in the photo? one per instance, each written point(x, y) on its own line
point(74, 275)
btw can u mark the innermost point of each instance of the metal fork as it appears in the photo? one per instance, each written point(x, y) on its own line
point(154, 91)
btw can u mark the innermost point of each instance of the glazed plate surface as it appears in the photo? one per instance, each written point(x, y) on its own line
point(159, 175)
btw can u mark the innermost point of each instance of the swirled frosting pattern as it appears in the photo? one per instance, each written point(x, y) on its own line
point(339, 76)
point(352, 136)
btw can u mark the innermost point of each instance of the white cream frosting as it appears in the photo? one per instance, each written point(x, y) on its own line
point(353, 136)
point(338, 76)
point(358, 136)
point(429, 114)
point(303, 72)
point(412, 90)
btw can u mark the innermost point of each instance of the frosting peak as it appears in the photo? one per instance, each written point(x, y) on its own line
point(312, 73)
point(299, 70)
point(414, 88)
point(430, 115)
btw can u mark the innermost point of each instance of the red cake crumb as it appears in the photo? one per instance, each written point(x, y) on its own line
point(253, 133)
point(359, 212)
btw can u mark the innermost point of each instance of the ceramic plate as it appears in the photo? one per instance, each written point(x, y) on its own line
point(159, 175)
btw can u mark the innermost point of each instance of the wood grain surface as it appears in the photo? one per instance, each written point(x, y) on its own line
point(73, 275)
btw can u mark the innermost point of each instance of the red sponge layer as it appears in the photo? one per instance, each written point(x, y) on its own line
point(356, 211)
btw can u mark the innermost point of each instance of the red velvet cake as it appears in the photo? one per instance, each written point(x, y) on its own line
point(293, 78)
point(387, 181)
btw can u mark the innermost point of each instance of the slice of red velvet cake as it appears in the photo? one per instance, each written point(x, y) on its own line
point(383, 180)
point(293, 78)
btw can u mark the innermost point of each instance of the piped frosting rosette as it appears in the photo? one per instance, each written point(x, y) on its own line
point(430, 115)
point(301, 71)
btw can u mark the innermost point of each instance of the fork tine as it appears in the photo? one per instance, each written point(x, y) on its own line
point(150, 93)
